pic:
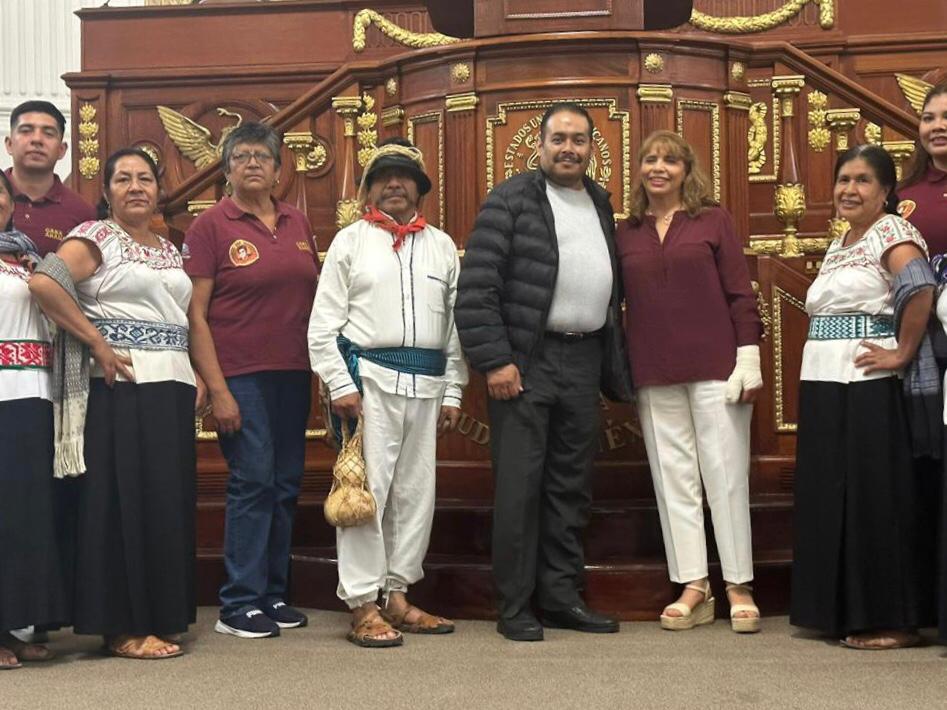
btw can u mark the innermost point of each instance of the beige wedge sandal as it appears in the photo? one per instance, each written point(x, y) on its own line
point(702, 613)
point(744, 624)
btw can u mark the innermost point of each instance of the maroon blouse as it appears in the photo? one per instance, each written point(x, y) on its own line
point(924, 204)
point(689, 302)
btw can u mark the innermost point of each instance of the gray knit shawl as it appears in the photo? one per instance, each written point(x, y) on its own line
point(70, 380)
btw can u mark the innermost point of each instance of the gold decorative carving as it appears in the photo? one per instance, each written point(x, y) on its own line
point(738, 100)
point(756, 138)
point(346, 213)
point(201, 434)
point(392, 116)
point(367, 17)
point(391, 86)
point(528, 136)
point(837, 228)
point(461, 102)
point(738, 71)
point(819, 136)
point(367, 129)
point(775, 130)
point(460, 72)
point(347, 107)
point(899, 151)
point(309, 152)
point(787, 88)
point(193, 139)
point(88, 142)
point(148, 148)
point(714, 110)
point(841, 121)
point(654, 63)
point(773, 245)
point(763, 307)
point(872, 133)
point(779, 399)
point(195, 207)
point(438, 118)
point(789, 206)
point(655, 93)
point(914, 90)
point(766, 21)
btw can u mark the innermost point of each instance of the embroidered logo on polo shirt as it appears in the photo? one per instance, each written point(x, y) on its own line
point(51, 233)
point(906, 208)
point(304, 246)
point(243, 253)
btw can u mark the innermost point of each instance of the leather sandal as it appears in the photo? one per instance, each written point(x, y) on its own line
point(363, 633)
point(137, 648)
point(29, 652)
point(702, 613)
point(872, 642)
point(7, 654)
point(743, 624)
point(425, 623)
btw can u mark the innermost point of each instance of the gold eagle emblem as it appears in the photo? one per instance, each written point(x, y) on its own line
point(193, 139)
point(914, 90)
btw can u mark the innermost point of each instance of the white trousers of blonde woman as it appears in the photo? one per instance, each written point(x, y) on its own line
point(399, 442)
point(691, 435)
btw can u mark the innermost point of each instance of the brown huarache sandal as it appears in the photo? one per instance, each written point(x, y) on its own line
point(424, 624)
point(140, 649)
point(363, 633)
point(30, 652)
point(882, 641)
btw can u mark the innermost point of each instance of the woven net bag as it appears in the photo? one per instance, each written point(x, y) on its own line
point(350, 502)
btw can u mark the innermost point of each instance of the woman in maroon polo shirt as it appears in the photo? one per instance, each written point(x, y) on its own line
point(693, 336)
point(253, 264)
point(923, 193)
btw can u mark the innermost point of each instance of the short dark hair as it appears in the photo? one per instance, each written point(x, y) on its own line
point(882, 165)
point(565, 107)
point(8, 186)
point(253, 133)
point(103, 207)
point(39, 107)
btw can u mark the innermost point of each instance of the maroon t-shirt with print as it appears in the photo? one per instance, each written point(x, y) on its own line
point(49, 219)
point(264, 285)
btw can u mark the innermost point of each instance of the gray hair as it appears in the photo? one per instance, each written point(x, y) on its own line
point(253, 133)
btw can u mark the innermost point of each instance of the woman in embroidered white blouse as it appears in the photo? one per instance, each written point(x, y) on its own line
point(853, 562)
point(135, 507)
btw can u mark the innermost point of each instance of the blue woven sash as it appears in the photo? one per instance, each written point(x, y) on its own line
point(411, 361)
point(142, 334)
point(850, 326)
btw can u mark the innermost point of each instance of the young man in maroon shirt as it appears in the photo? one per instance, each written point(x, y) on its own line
point(44, 209)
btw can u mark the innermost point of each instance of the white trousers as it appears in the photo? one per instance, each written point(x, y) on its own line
point(399, 442)
point(692, 434)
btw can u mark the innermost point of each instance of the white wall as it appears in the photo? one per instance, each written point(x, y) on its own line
point(39, 42)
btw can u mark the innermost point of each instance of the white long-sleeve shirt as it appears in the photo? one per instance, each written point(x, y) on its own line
point(379, 298)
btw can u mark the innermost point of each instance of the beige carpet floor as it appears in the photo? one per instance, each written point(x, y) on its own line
point(641, 667)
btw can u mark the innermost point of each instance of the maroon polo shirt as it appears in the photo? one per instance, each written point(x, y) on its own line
point(689, 302)
point(264, 284)
point(50, 218)
point(924, 204)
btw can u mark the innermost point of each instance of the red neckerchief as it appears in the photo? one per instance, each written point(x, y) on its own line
point(398, 231)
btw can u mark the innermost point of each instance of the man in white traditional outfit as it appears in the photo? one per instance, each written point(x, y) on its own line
point(382, 338)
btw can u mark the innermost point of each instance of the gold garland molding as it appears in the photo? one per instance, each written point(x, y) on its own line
point(766, 21)
point(366, 18)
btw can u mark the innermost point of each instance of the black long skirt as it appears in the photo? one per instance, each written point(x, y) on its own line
point(135, 537)
point(31, 585)
point(854, 561)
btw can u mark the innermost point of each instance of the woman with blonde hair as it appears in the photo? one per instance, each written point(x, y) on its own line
point(693, 336)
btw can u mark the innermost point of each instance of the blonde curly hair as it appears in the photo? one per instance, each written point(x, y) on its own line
point(696, 192)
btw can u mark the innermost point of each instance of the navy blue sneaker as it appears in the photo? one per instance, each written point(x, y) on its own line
point(284, 615)
point(250, 623)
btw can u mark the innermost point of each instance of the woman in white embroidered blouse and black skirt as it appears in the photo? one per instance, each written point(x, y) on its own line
point(120, 290)
point(854, 565)
point(31, 589)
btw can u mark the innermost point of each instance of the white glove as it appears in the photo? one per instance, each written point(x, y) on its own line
point(746, 374)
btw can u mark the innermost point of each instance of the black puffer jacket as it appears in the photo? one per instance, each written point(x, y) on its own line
point(508, 276)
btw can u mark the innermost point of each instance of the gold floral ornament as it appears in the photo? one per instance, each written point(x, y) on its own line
point(367, 129)
point(766, 21)
point(460, 72)
point(193, 139)
point(819, 134)
point(872, 133)
point(365, 18)
point(88, 142)
point(391, 86)
point(654, 63)
point(756, 137)
point(738, 71)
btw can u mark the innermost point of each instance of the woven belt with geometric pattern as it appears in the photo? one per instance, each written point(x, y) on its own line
point(25, 355)
point(850, 326)
point(142, 334)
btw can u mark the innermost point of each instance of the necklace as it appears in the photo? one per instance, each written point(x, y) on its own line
point(666, 219)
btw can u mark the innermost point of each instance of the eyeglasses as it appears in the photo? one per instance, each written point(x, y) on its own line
point(244, 158)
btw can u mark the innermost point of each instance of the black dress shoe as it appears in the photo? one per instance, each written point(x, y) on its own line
point(580, 618)
point(522, 627)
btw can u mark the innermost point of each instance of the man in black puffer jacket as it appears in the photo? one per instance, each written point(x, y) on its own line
point(538, 313)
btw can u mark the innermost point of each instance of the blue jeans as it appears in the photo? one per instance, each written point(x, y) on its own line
point(266, 459)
